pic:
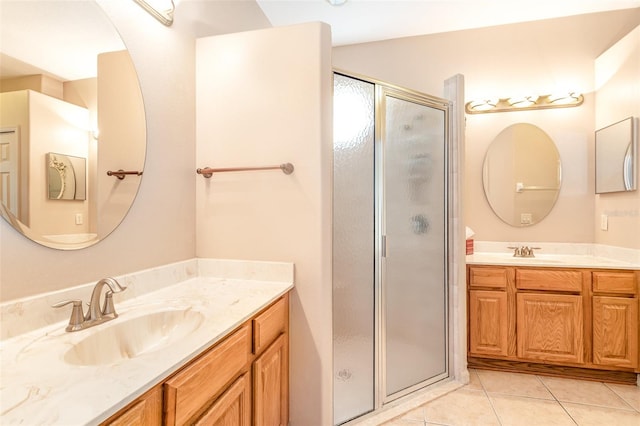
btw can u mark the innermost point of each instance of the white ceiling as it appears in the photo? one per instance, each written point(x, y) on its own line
point(359, 21)
point(36, 33)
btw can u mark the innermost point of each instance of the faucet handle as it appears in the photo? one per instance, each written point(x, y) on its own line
point(517, 251)
point(107, 307)
point(77, 315)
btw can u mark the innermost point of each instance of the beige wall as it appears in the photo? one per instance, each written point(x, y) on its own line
point(535, 57)
point(59, 127)
point(264, 98)
point(618, 97)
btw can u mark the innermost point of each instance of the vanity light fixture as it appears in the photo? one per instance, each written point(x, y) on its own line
point(482, 105)
point(162, 10)
point(522, 103)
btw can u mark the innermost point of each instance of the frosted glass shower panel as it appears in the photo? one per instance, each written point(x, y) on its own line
point(353, 248)
point(414, 271)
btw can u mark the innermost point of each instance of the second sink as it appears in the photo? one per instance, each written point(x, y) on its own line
point(134, 337)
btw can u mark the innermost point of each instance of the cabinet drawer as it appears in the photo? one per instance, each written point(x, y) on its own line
point(269, 325)
point(543, 279)
point(190, 390)
point(488, 277)
point(614, 282)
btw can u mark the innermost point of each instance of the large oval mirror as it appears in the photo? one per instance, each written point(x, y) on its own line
point(522, 174)
point(72, 123)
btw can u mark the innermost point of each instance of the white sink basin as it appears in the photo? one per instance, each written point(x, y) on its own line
point(124, 339)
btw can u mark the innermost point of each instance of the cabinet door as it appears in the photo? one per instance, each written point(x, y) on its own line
point(550, 327)
point(233, 408)
point(271, 385)
point(488, 322)
point(195, 386)
point(615, 331)
point(147, 410)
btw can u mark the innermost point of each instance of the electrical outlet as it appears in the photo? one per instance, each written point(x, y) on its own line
point(79, 219)
point(604, 222)
point(526, 218)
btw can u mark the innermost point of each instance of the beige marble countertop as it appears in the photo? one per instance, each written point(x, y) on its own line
point(37, 385)
point(550, 260)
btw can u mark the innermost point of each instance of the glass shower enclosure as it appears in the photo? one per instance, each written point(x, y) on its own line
point(390, 301)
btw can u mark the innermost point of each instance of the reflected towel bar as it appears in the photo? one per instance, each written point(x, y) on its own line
point(120, 174)
point(287, 169)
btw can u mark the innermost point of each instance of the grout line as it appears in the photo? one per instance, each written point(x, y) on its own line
point(622, 398)
point(486, 395)
point(567, 411)
point(608, 407)
point(630, 408)
point(536, 398)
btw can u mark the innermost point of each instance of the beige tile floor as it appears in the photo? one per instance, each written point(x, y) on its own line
point(511, 399)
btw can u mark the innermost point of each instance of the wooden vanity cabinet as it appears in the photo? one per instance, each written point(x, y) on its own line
point(270, 368)
point(550, 327)
point(550, 322)
point(242, 380)
point(615, 319)
point(488, 330)
point(576, 322)
point(489, 310)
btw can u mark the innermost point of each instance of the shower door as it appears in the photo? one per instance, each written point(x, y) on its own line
point(413, 225)
point(353, 248)
point(389, 244)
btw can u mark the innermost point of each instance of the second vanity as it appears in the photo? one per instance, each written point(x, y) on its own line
point(574, 316)
point(194, 342)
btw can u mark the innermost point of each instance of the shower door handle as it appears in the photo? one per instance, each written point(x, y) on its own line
point(383, 246)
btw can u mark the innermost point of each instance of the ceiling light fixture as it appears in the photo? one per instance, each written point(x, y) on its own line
point(162, 10)
point(336, 2)
point(565, 100)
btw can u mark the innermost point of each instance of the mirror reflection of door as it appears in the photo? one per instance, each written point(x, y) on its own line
point(9, 169)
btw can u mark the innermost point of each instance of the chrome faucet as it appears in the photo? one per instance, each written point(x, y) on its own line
point(95, 315)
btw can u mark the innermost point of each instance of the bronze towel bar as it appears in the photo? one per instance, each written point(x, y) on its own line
point(120, 174)
point(287, 169)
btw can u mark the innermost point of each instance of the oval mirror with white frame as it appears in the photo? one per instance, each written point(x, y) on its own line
point(71, 111)
point(522, 175)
